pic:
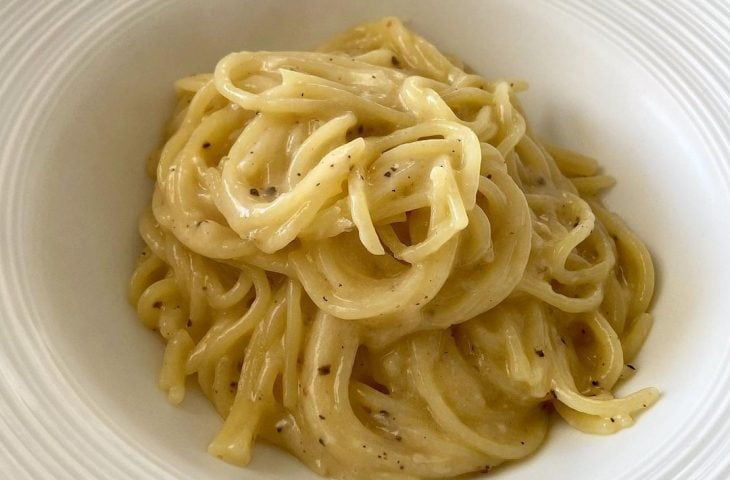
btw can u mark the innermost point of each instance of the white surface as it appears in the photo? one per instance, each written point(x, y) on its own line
point(85, 87)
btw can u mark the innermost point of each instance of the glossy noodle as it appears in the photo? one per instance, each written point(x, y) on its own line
point(363, 255)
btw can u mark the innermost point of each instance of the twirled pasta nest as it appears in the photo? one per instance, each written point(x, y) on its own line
point(367, 258)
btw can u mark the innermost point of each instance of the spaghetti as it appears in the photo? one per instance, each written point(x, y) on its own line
point(365, 257)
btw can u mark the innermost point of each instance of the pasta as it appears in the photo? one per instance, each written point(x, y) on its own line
point(365, 257)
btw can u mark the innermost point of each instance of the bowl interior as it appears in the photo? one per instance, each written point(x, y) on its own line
point(86, 187)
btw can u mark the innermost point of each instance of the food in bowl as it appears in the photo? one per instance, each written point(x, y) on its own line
point(366, 257)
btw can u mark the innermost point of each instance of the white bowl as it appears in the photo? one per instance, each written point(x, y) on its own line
point(86, 87)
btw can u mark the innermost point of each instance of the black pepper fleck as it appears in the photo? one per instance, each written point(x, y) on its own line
point(324, 369)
